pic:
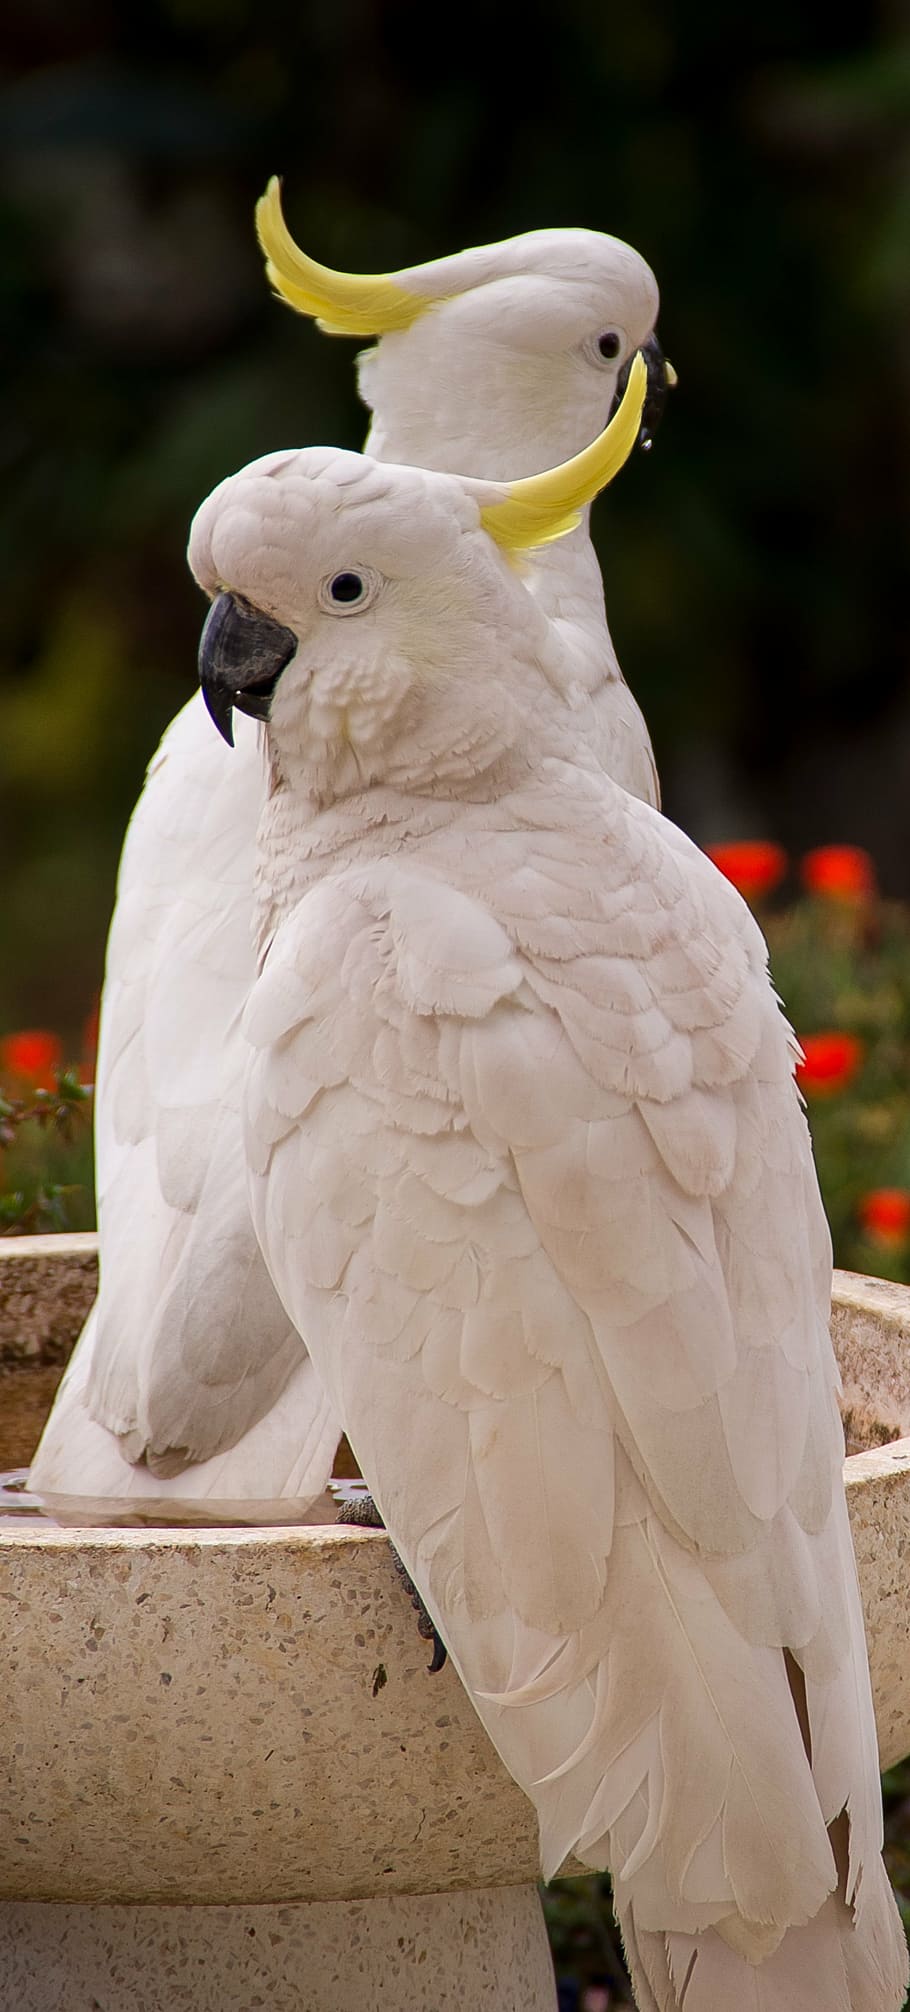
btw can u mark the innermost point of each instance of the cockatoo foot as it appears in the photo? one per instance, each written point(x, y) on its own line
point(363, 1510)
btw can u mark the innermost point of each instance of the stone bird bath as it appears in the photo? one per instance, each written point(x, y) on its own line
point(228, 1781)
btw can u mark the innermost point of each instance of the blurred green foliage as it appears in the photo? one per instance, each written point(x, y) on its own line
point(753, 565)
point(843, 968)
point(46, 1182)
point(584, 1938)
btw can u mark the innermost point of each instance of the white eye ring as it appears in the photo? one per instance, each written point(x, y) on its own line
point(349, 591)
point(600, 356)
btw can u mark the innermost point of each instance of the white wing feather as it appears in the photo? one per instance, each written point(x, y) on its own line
point(189, 1383)
point(544, 1205)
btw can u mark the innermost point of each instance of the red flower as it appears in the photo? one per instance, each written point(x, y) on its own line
point(830, 1061)
point(885, 1216)
point(31, 1057)
point(755, 865)
point(838, 873)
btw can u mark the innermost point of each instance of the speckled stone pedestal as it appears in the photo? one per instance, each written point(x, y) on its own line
point(227, 1781)
point(445, 1952)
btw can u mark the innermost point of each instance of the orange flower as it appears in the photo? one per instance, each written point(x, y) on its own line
point(755, 865)
point(885, 1216)
point(31, 1057)
point(830, 1062)
point(838, 873)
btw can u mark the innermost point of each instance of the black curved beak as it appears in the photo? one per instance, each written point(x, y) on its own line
point(661, 379)
point(242, 654)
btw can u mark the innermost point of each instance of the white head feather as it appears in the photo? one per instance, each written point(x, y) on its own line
point(378, 689)
point(505, 376)
point(489, 361)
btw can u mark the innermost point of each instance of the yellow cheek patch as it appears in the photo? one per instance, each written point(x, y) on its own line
point(343, 303)
point(543, 507)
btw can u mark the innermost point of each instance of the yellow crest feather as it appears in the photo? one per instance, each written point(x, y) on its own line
point(343, 303)
point(540, 508)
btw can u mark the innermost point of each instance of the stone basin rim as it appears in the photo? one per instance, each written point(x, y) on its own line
point(878, 1464)
point(230, 1778)
point(325, 1538)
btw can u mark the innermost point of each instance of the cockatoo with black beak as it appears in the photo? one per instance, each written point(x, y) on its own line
point(188, 1385)
point(531, 1173)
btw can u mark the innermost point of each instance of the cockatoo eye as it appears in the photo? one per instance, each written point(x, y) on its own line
point(346, 593)
point(346, 587)
point(610, 345)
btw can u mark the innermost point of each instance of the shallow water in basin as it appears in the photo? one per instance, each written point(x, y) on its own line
point(15, 1500)
point(18, 1505)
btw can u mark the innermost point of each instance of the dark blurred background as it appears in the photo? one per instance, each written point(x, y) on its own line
point(759, 158)
point(753, 564)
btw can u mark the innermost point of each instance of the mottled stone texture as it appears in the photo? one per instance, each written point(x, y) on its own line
point(242, 1717)
point(870, 1324)
point(878, 1497)
point(47, 1285)
point(453, 1952)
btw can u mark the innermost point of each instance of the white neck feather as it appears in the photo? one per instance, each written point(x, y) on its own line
point(564, 577)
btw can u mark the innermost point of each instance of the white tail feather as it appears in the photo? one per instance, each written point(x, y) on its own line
point(828, 1965)
point(272, 1476)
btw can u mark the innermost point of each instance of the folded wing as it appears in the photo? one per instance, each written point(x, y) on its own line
point(189, 1382)
point(534, 1179)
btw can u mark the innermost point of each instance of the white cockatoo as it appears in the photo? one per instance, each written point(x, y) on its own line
point(531, 1172)
point(188, 1392)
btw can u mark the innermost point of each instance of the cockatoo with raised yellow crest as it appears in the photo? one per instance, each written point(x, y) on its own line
point(189, 1393)
point(530, 1171)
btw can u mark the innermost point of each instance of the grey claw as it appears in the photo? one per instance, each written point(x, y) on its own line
point(440, 1653)
point(425, 1627)
point(362, 1510)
